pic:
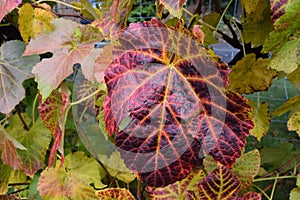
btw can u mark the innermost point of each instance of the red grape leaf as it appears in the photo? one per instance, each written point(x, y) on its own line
point(115, 194)
point(170, 94)
point(118, 6)
point(174, 6)
point(7, 6)
point(9, 146)
point(277, 8)
point(70, 43)
point(14, 69)
point(220, 184)
point(250, 196)
point(52, 113)
point(177, 190)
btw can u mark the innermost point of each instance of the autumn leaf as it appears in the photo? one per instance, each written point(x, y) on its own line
point(115, 194)
point(295, 193)
point(36, 140)
point(179, 189)
point(71, 180)
point(172, 105)
point(33, 21)
point(278, 8)
point(250, 196)
point(6, 6)
point(294, 122)
point(174, 6)
point(53, 114)
point(213, 185)
point(246, 70)
point(290, 104)
point(14, 69)
point(5, 173)
point(118, 6)
point(70, 43)
point(261, 119)
point(293, 77)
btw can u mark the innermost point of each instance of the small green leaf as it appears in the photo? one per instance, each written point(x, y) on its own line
point(294, 78)
point(211, 19)
point(114, 194)
point(248, 69)
point(5, 172)
point(261, 119)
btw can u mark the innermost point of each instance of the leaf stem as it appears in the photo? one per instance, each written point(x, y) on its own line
point(272, 178)
point(274, 186)
point(33, 108)
point(263, 192)
point(21, 118)
point(200, 20)
point(139, 190)
point(60, 2)
point(85, 98)
point(7, 24)
point(224, 12)
point(242, 38)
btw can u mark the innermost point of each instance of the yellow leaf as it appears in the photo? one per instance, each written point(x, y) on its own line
point(25, 21)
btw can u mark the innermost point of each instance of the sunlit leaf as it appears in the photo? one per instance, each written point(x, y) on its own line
point(175, 104)
point(295, 194)
point(68, 48)
point(8, 5)
point(14, 69)
point(53, 113)
point(221, 184)
point(33, 21)
point(72, 180)
point(246, 168)
point(248, 69)
point(294, 122)
point(114, 194)
point(36, 140)
point(174, 6)
point(290, 104)
point(261, 119)
point(256, 21)
point(287, 58)
point(178, 190)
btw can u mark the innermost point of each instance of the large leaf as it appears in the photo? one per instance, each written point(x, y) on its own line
point(177, 190)
point(33, 21)
point(256, 21)
point(72, 180)
point(115, 194)
point(261, 119)
point(70, 43)
point(172, 103)
point(53, 113)
point(14, 69)
point(247, 69)
point(221, 184)
point(174, 6)
point(36, 141)
point(7, 6)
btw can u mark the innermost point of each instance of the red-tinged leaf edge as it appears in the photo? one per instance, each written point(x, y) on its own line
point(115, 194)
point(6, 6)
point(250, 196)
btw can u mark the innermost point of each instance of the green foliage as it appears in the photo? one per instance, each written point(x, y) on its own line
point(102, 117)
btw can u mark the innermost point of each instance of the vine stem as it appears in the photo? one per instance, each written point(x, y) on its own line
point(263, 192)
point(200, 20)
point(274, 186)
point(85, 98)
point(272, 178)
point(21, 118)
point(225, 10)
point(242, 38)
point(60, 2)
point(33, 108)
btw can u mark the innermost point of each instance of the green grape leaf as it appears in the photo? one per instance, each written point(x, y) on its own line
point(174, 6)
point(72, 179)
point(67, 50)
point(295, 194)
point(209, 164)
point(220, 184)
point(211, 19)
point(115, 194)
point(177, 190)
point(294, 78)
point(292, 103)
point(256, 22)
point(53, 113)
point(248, 69)
point(246, 168)
point(285, 28)
point(287, 57)
point(294, 122)
point(5, 173)
point(36, 141)
point(262, 120)
point(33, 21)
point(7, 6)
point(14, 69)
